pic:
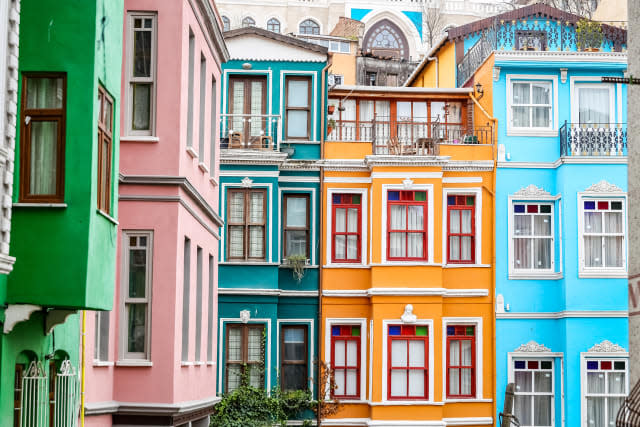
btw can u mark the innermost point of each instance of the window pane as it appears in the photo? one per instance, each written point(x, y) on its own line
point(353, 220)
point(296, 242)
point(522, 225)
point(594, 105)
point(294, 377)
point(521, 93)
point(137, 273)
point(352, 247)
point(352, 382)
point(236, 241)
point(416, 383)
point(234, 377)
point(256, 207)
point(142, 54)
point(256, 242)
point(466, 353)
point(454, 221)
point(298, 92)
point(352, 353)
point(613, 251)
point(542, 253)
point(454, 352)
point(398, 217)
point(136, 327)
point(297, 124)
point(466, 221)
point(339, 359)
point(466, 381)
point(541, 93)
point(296, 212)
point(44, 92)
point(416, 218)
point(466, 249)
point(236, 207)
point(254, 352)
point(416, 354)
point(613, 222)
point(522, 409)
point(542, 225)
point(294, 345)
point(454, 381)
point(141, 114)
point(542, 382)
point(613, 404)
point(595, 382)
point(44, 157)
point(399, 383)
point(593, 251)
point(521, 117)
point(340, 247)
point(234, 347)
point(341, 220)
point(454, 248)
point(397, 245)
point(595, 411)
point(616, 382)
point(542, 414)
point(415, 247)
point(593, 222)
point(255, 376)
point(340, 382)
point(522, 253)
point(398, 353)
point(523, 381)
point(541, 117)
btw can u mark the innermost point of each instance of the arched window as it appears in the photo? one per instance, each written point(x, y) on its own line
point(248, 22)
point(386, 39)
point(273, 25)
point(226, 24)
point(309, 26)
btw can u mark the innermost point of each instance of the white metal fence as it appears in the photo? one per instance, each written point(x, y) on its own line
point(66, 394)
point(34, 399)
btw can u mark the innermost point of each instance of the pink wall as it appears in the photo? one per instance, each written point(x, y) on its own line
point(168, 380)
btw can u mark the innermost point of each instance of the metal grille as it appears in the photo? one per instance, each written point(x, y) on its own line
point(33, 401)
point(66, 396)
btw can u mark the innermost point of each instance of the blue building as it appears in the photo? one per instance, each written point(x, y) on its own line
point(272, 101)
point(561, 209)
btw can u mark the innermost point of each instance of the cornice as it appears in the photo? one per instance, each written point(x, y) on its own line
point(211, 23)
point(300, 165)
point(532, 347)
point(604, 187)
point(606, 346)
point(249, 157)
point(140, 408)
point(469, 166)
point(560, 56)
point(416, 161)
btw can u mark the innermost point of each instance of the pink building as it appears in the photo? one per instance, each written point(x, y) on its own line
point(152, 360)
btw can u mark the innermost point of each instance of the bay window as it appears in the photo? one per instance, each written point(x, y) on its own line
point(461, 229)
point(461, 354)
point(42, 137)
point(408, 375)
point(407, 225)
point(534, 394)
point(298, 107)
point(603, 230)
point(605, 391)
point(141, 73)
point(531, 105)
point(244, 356)
point(246, 224)
point(533, 236)
point(345, 361)
point(293, 352)
point(347, 225)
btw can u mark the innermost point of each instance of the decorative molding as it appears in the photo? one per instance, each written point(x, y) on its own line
point(146, 408)
point(413, 161)
point(606, 346)
point(469, 166)
point(247, 182)
point(55, 318)
point(408, 316)
point(604, 187)
point(563, 75)
point(250, 157)
point(16, 313)
point(407, 183)
point(447, 293)
point(245, 315)
point(266, 292)
point(532, 347)
point(496, 74)
point(532, 191)
point(499, 303)
point(596, 314)
point(560, 56)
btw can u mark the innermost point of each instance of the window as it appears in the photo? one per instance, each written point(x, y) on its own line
point(186, 292)
point(345, 361)
point(226, 24)
point(371, 77)
point(534, 400)
point(606, 390)
point(407, 225)
point(293, 351)
point(248, 22)
point(461, 230)
point(246, 217)
point(386, 39)
point(408, 375)
point(214, 127)
point(210, 312)
point(203, 92)
point(595, 104)
point(141, 73)
point(244, 356)
point(347, 227)
point(309, 26)
point(335, 79)
point(296, 225)
point(105, 148)
point(42, 137)
point(603, 233)
point(531, 40)
point(247, 98)
point(273, 25)
point(461, 355)
point(198, 301)
point(102, 336)
point(533, 236)
point(298, 107)
point(531, 105)
point(19, 373)
point(138, 247)
point(190, 77)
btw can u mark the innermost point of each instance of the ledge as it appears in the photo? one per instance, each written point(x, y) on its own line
point(603, 274)
point(192, 152)
point(108, 217)
point(257, 263)
point(407, 403)
point(102, 364)
point(134, 363)
point(542, 133)
point(472, 400)
point(40, 205)
point(213, 181)
point(347, 265)
point(140, 138)
point(466, 266)
point(6, 263)
point(535, 276)
point(203, 167)
point(185, 364)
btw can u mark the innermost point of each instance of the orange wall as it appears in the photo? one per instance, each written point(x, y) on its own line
point(446, 69)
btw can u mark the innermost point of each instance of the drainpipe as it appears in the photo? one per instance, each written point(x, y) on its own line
point(323, 110)
point(435, 58)
point(82, 387)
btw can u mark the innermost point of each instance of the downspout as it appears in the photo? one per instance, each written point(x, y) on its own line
point(493, 240)
point(323, 113)
point(82, 387)
point(435, 58)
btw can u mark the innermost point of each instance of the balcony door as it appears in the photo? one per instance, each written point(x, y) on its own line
point(248, 107)
point(595, 105)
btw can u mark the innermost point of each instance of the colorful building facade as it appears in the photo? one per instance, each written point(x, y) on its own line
point(160, 337)
point(272, 103)
point(561, 195)
point(407, 283)
point(64, 190)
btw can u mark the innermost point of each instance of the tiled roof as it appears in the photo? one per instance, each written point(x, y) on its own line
point(347, 27)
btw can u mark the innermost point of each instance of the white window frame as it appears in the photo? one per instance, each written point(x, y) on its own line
point(542, 358)
point(362, 322)
point(430, 221)
point(466, 321)
point(602, 272)
point(468, 191)
point(576, 82)
point(385, 362)
point(364, 244)
point(125, 355)
point(541, 197)
point(552, 129)
point(614, 353)
point(131, 80)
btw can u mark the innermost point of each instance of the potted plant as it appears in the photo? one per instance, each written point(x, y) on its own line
point(298, 264)
point(589, 35)
point(288, 149)
point(331, 124)
point(331, 109)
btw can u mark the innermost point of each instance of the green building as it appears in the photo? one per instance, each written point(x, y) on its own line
point(64, 202)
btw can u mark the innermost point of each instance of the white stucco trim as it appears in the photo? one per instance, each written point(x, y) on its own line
point(364, 192)
point(362, 322)
point(463, 191)
point(477, 322)
point(312, 219)
point(551, 131)
point(311, 339)
point(565, 314)
point(447, 293)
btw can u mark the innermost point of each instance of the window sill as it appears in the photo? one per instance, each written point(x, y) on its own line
point(603, 274)
point(298, 141)
point(213, 181)
point(198, 363)
point(101, 364)
point(406, 403)
point(265, 263)
point(141, 138)
point(40, 205)
point(193, 153)
point(134, 363)
point(203, 167)
point(185, 364)
point(406, 264)
point(535, 276)
point(532, 132)
point(346, 265)
point(466, 266)
point(211, 363)
point(108, 217)
point(470, 400)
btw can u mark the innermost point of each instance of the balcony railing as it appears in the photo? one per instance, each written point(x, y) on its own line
point(593, 139)
point(415, 137)
point(249, 132)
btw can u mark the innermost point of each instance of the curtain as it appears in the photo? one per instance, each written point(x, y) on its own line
point(454, 373)
point(416, 360)
point(465, 360)
point(397, 241)
point(256, 232)
point(520, 95)
point(352, 240)
point(593, 106)
point(415, 240)
point(454, 241)
point(141, 114)
point(595, 411)
point(542, 253)
point(522, 405)
point(543, 407)
point(256, 109)
point(237, 123)
point(352, 360)
point(340, 241)
point(613, 244)
point(366, 117)
point(466, 240)
point(236, 233)
point(398, 359)
point(383, 115)
point(254, 353)
point(43, 167)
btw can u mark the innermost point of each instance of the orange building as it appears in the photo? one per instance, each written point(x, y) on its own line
point(407, 280)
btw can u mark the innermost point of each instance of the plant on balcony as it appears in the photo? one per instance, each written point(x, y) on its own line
point(298, 264)
point(287, 149)
point(331, 109)
point(331, 124)
point(589, 35)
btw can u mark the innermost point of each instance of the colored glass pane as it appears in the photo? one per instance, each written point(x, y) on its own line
point(532, 364)
point(603, 206)
point(590, 205)
point(421, 331)
point(420, 196)
point(518, 208)
point(592, 364)
point(605, 365)
point(470, 331)
point(393, 195)
point(545, 208)
point(345, 331)
point(355, 331)
point(532, 208)
point(336, 198)
point(545, 364)
point(618, 366)
point(451, 330)
point(451, 200)
point(355, 199)
point(394, 330)
point(519, 364)
point(408, 330)
point(616, 206)
point(335, 331)
point(471, 200)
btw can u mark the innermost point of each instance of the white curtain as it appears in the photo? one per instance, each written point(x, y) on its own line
point(256, 233)
point(352, 240)
point(454, 228)
point(416, 360)
point(465, 360)
point(593, 244)
point(522, 247)
point(593, 105)
point(613, 244)
point(397, 241)
point(466, 240)
point(44, 144)
point(352, 360)
point(454, 373)
point(522, 409)
point(237, 123)
point(520, 96)
point(415, 240)
point(399, 358)
point(340, 240)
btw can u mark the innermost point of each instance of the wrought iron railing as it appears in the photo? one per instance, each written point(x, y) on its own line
point(475, 56)
point(593, 139)
point(66, 394)
point(249, 132)
point(34, 397)
point(407, 137)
